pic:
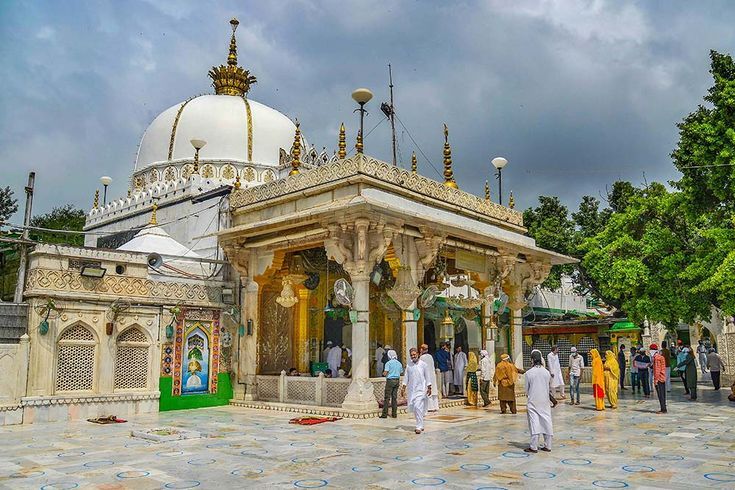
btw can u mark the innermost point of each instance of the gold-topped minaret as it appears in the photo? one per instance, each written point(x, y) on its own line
point(296, 151)
point(154, 221)
point(487, 190)
point(238, 184)
point(414, 162)
point(342, 153)
point(96, 203)
point(448, 173)
point(231, 79)
point(358, 144)
point(511, 201)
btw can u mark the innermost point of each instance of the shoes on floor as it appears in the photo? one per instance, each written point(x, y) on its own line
point(545, 449)
point(418, 431)
point(383, 416)
point(577, 403)
point(529, 450)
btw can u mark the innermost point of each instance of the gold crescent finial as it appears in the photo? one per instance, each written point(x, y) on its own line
point(414, 162)
point(448, 173)
point(232, 57)
point(487, 190)
point(358, 143)
point(96, 203)
point(231, 79)
point(342, 142)
point(296, 151)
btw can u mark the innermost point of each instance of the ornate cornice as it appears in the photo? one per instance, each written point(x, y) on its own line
point(48, 281)
point(382, 171)
point(41, 401)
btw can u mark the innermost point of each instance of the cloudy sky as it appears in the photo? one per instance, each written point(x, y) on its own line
point(574, 93)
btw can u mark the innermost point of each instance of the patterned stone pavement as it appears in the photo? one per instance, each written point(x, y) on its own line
point(691, 447)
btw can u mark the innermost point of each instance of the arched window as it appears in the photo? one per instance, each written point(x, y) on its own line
point(131, 361)
point(75, 359)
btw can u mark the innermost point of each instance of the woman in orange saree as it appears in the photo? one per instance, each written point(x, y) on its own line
point(598, 380)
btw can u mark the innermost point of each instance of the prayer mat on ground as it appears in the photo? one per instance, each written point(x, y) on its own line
point(110, 419)
point(312, 420)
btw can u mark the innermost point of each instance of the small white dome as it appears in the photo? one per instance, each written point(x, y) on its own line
point(222, 121)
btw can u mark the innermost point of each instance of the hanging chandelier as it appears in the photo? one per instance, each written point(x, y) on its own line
point(447, 330)
point(405, 291)
point(287, 298)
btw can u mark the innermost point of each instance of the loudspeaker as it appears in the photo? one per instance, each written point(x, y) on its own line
point(155, 260)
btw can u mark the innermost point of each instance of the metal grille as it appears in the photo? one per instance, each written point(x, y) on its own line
point(132, 335)
point(75, 367)
point(379, 388)
point(565, 350)
point(336, 392)
point(586, 344)
point(301, 390)
point(131, 368)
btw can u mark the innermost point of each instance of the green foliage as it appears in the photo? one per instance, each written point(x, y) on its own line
point(8, 204)
point(61, 218)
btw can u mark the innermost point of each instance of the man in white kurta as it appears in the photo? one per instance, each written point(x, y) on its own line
point(538, 384)
point(554, 367)
point(433, 403)
point(419, 388)
point(379, 351)
point(460, 363)
point(334, 359)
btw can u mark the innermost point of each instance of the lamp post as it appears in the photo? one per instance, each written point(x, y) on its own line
point(362, 96)
point(198, 145)
point(499, 163)
point(105, 182)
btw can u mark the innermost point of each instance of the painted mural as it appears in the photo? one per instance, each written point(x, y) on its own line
point(196, 353)
point(196, 361)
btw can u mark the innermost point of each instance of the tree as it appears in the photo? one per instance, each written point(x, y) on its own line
point(61, 218)
point(550, 226)
point(8, 204)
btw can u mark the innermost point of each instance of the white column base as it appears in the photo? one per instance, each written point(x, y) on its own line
point(360, 396)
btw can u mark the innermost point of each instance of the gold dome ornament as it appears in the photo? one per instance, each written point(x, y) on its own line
point(296, 151)
point(448, 173)
point(231, 79)
point(237, 182)
point(96, 203)
point(154, 220)
point(358, 143)
point(511, 201)
point(414, 162)
point(487, 190)
point(342, 154)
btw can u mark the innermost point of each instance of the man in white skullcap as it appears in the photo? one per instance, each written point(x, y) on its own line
point(486, 376)
point(419, 388)
point(576, 364)
point(538, 385)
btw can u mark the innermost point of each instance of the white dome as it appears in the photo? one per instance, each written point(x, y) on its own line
point(222, 121)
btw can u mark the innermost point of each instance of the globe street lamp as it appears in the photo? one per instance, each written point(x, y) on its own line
point(198, 145)
point(105, 182)
point(362, 96)
point(499, 163)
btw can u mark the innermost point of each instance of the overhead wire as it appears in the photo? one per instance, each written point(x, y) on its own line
point(441, 175)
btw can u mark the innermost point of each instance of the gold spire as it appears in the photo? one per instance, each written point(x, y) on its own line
point(448, 174)
point(154, 221)
point(511, 201)
point(296, 151)
point(237, 182)
point(358, 144)
point(96, 203)
point(130, 192)
point(414, 162)
point(231, 79)
point(487, 190)
point(342, 142)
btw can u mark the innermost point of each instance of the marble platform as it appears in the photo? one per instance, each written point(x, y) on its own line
point(632, 447)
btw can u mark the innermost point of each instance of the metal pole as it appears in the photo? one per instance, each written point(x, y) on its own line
point(362, 121)
point(500, 186)
point(392, 113)
point(104, 196)
point(22, 266)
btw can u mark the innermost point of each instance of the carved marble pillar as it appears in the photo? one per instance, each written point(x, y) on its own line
point(358, 246)
point(248, 358)
point(302, 331)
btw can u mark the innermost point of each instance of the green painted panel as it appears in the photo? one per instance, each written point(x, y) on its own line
point(183, 402)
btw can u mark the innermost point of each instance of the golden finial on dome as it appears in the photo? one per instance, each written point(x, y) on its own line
point(342, 142)
point(96, 203)
point(414, 162)
point(231, 79)
point(511, 201)
point(296, 151)
point(448, 174)
point(358, 143)
point(154, 221)
point(237, 182)
point(487, 190)
point(130, 193)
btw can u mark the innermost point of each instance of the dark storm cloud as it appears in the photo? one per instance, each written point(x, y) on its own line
point(575, 93)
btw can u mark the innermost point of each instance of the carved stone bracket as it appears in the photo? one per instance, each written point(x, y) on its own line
point(358, 245)
point(522, 278)
point(239, 257)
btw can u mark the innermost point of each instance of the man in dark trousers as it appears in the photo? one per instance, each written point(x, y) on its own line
point(621, 364)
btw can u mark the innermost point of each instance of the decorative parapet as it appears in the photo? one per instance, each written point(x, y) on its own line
point(49, 281)
point(41, 401)
point(385, 172)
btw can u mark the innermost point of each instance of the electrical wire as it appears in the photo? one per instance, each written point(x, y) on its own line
point(368, 134)
point(441, 175)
